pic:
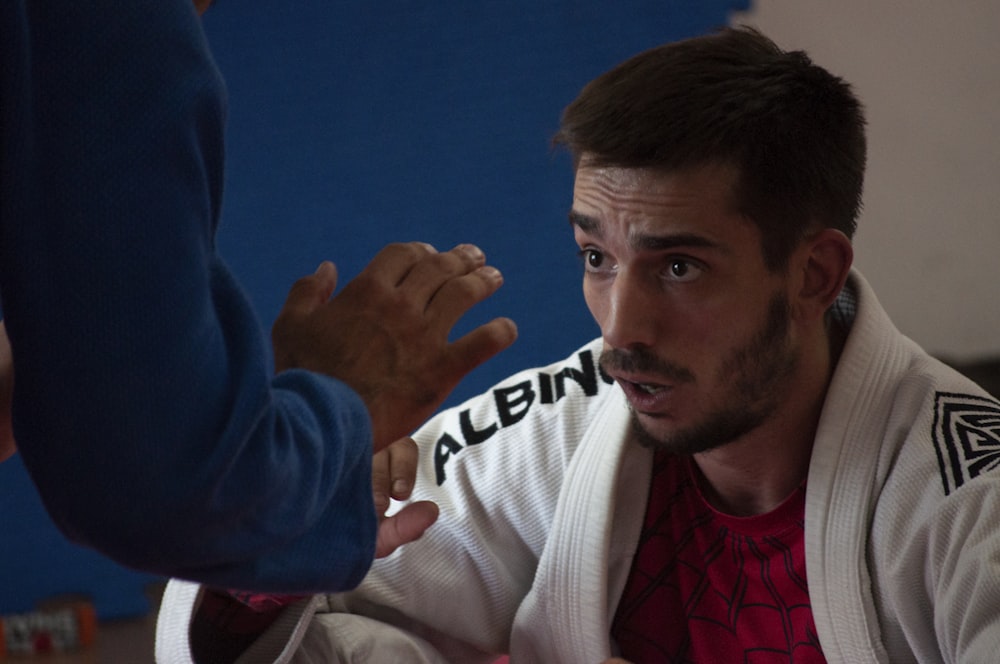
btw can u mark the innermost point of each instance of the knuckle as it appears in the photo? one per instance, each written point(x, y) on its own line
point(409, 250)
point(456, 261)
point(466, 288)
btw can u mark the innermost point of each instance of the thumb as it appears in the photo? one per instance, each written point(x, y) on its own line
point(306, 296)
point(324, 281)
point(311, 291)
point(405, 526)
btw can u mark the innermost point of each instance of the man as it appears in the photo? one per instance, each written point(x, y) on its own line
point(144, 404)
point(752, 464)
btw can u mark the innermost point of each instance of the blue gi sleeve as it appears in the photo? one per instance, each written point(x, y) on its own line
point(145, 407)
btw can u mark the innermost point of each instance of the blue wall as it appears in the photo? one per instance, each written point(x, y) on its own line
point(353, 125)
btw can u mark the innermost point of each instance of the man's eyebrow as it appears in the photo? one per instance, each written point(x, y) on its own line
point(585, 223)
point(592, 226)
point(672, 241)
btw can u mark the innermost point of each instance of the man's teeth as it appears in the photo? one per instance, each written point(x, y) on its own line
point(649, 389)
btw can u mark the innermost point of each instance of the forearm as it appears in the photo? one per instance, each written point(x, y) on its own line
point(236, 481)
point(189, 460)
point(144, 406)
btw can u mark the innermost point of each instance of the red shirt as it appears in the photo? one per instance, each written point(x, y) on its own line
point(710, 587)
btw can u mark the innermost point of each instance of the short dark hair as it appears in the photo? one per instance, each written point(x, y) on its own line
point(794, 132)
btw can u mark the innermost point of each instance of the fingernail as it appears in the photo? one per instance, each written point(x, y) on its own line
point(472, 250)
point(400, 487)
point(491, 272)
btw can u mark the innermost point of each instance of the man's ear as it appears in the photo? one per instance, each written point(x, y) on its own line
point(825, 260)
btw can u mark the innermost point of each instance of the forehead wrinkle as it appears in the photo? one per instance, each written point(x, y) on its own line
point(657, 215)
point(625, 191)
point(651, 242)
point(632, 193)
point(637, 238)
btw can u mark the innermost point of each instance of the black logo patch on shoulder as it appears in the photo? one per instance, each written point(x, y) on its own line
point(966, 437)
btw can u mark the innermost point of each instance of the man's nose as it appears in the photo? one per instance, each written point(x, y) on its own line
point(633, 312)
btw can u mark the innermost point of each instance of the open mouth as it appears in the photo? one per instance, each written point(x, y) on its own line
point(651, 389)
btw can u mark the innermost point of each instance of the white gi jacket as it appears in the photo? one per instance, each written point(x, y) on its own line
point(542, 495)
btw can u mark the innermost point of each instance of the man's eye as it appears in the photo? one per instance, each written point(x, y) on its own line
point(592, 260)
point(683, 270)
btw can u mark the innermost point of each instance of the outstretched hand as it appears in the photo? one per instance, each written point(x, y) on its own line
point(386, 333)
point(393, 472)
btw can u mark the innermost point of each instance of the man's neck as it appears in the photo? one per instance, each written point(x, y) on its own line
point(757, 472)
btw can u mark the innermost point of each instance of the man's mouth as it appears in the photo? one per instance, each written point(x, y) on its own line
point(635, 367)
point(649, 388)
point(644, 394)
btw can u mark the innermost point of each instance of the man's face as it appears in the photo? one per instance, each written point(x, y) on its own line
point(696, 330)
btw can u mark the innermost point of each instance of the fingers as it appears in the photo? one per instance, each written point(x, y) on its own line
point(393, 472)
point(305, 297)
point(427, 276)
point(404, 527)
point(420, 271)
point(381, 481)
point(310, 292)
point(453, 282)
point(403, 458)
point(386, 333)
point(394, 262)
point(458, 294)
point(481, 344)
